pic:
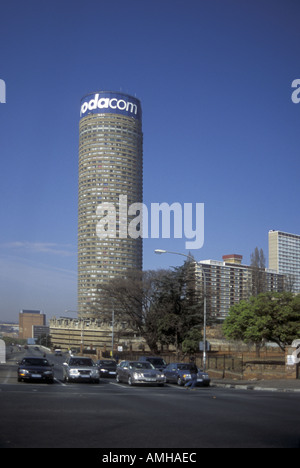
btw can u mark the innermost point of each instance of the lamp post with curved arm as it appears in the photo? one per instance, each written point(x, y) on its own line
point(161, 252)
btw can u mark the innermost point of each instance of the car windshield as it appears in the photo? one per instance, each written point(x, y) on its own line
point(81, 362)
point(107, 363)
point(35, 362)
point(157, 361)
point(141, 365)
point(184, 366)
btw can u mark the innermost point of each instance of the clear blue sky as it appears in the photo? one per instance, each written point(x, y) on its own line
point(214, 78)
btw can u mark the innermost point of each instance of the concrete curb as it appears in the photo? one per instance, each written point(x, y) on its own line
point(256, 388)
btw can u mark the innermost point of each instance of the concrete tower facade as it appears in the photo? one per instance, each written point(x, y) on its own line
point(110, 170)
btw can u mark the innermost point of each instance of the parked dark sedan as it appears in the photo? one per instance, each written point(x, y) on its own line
point(35, 368)
point(180, 373)
point(107, 367)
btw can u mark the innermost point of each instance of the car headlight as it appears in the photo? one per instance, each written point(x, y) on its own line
point(48, 373)
point(23, 372)
point(73, 372)
point(95, 373)
point(137, 375)
point(187, 376)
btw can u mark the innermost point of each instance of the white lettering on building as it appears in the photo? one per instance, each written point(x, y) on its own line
point(105, 103)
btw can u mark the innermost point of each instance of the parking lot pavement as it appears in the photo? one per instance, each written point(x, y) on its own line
point(117, 415)
point(223, 415)
point(8, 374)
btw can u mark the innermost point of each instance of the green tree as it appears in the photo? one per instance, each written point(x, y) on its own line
point(135, 299)
point(164, 306)
point(182, 307)
point(273, 317)
point(258, 259)
point(190, 344)
point(258, 266)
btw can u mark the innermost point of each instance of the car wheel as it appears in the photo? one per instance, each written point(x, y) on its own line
point(130, 382)
point(117, 378)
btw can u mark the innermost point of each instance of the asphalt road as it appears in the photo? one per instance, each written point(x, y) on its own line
point(111, 415)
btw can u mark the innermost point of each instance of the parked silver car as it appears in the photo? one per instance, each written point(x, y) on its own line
point(135, 373)
point(81, 369)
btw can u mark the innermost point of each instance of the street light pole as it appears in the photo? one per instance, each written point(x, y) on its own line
point(112, 331)
point(160, 252)
point(82, 329)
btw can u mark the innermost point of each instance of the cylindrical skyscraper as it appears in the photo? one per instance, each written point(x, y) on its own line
point(110, 172)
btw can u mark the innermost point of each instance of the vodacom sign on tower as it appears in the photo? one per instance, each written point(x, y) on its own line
point(103, 102)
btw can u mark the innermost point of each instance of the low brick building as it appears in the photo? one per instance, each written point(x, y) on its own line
point(27, 320)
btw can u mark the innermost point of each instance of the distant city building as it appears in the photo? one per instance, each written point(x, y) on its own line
point(39, 331)
point(93, 334)
point(110, 167)
point(229, 282)
point(27, 320)
point(284, 257)
point(9, 329)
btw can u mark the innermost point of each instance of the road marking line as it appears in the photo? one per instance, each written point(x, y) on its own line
point(7, 377)
point(119, 385)
point(59, 382)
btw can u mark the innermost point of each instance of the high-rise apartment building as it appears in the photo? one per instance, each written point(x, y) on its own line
point(110, 172)
point(284, 257)
point(230, 282)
